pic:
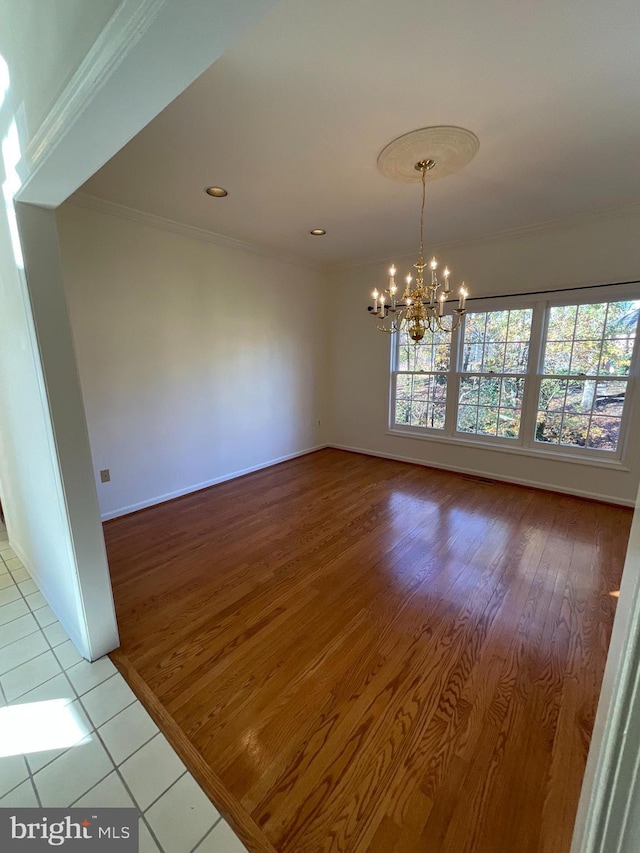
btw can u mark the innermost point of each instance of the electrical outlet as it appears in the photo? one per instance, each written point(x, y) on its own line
point(105, 476)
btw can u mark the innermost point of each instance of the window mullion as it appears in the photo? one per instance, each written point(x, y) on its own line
point(532, 376)
point(453, 383)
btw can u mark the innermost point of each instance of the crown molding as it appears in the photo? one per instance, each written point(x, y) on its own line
point(505, 234)
point(123, 30)
point(112, 208)
point(194, 232)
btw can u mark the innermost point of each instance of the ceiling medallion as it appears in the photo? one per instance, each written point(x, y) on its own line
point(423, 155)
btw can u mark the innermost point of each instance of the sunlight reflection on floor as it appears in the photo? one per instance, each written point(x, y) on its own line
point(39, 726)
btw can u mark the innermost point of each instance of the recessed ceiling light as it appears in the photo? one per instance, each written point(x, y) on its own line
point(217, 192)
point(318, 232)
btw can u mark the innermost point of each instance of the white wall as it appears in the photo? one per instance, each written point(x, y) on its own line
point(45, 43)
point(197, 361)
point(608, 817)
point(593, 251)
point(68, 102)
point(41, 47)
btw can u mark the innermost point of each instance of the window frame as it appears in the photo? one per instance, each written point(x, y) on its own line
point(460, 374)
point(526, 443)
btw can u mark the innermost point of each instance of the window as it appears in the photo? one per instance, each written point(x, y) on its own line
point(585, 374)
point(495, 355)
point(545, 378)
point(421, 381)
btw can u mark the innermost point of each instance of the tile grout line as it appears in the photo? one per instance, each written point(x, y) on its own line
point(141, 812)
point(207, 834)
point(26, 763)
point(63, 672)
point(28, 660)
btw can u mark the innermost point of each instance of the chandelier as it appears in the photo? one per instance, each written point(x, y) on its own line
point(421, 306)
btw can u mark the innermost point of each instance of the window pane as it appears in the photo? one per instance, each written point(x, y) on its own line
point(562, 319)
point(467, 418)
point(489, 391)
point(616, 357)
point(469, 387)
point(404, 354)
point(418, 413)
point(580, 396)
point(590, 341)
point(403, 412)
point(437, 413)
point(403, 387)
point(602, 336)
point(422, 358)
point(548, 427)
point(439, 389)
point(421, 387)
point(610, 398)
point(441, 355)
point(474, 326)
point(590, 321)
point(497, 322)
point(574, 430)
point(580, 413)
point(604, 433)
point(420, 400)
point(516, 358)
point(520, 325)
point(488, 420)
point(622, 320)
point(493, 358)
point(552, 395)
point(472, 357)
point(495, 343)
point(557, 357)
point(511, 394)
point(431, 353)
point(585, 358)
point(509, 423)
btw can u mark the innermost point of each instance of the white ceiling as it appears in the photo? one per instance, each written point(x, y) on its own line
point(292, 119)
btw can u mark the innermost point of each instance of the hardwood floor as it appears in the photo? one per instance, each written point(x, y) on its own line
point(356, 654)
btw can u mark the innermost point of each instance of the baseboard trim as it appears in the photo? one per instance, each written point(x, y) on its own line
point(474, 472)
point(169, 496)
point(229, 807)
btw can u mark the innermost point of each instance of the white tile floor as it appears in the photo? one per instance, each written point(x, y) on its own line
point(73, 733)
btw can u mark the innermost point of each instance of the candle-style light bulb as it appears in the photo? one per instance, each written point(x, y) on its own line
point(446, 272)
point(392, 271)
point(375, 295)
point(433, 264)
point(408, 279)
point(382, 306)
point(463, 295)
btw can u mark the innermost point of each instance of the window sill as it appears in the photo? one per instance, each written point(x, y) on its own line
point(559, 456)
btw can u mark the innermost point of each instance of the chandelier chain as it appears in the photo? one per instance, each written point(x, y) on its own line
point(424, 196)
point(422, 306)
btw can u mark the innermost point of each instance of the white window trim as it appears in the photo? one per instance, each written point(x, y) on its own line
point(526, 444)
